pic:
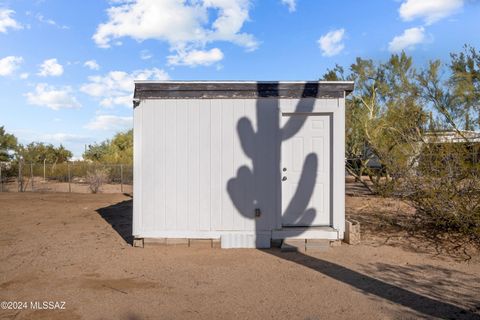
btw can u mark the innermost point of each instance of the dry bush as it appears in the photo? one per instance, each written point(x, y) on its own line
point(97, 178)
point(445, 189)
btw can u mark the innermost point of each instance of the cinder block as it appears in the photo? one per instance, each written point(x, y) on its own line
point(138, 242)
point(177, 242)
point(317, 245)
point(154, 242)
point(352, 232)
point(290, 245)
point(200, 243)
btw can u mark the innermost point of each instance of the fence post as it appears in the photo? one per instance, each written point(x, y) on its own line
point(1, 179)
point(44, 179)
point(20, 177)
point(69, 185)
point(31, 173)
point(121, 178)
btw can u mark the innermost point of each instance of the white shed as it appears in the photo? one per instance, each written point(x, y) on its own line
point(244, 162)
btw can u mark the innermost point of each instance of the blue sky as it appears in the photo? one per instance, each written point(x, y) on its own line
point(67, 67)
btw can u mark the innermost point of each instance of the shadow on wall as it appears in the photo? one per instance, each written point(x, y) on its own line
point(257, 188)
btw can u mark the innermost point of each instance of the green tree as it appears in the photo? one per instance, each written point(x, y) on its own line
point(8, 144)
point(465, 83)
point(38, 152)
point(384, 118)
point(454, 93)
point(117, 150)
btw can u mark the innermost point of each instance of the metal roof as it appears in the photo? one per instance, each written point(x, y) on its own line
point(241, 89)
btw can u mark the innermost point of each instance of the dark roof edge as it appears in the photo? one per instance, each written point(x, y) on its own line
point(241, 89)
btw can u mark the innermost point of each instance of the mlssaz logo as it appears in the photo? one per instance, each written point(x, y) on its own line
point(47, 305)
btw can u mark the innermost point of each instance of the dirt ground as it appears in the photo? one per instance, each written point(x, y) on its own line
point(76, 248)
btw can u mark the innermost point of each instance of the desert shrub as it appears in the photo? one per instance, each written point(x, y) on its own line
point(80, 169)
point(445, 189)
point(59, 172)
point(9, 170)
point(96, 178)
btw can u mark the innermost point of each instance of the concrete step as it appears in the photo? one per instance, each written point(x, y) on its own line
point(292, 245)
point(317, 245)
point(305, 245)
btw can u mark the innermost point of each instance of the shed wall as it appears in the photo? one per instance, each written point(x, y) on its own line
point(187, 150)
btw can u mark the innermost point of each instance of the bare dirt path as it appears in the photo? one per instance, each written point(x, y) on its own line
point(74, 248)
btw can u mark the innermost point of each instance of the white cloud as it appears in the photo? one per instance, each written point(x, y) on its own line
point(145, 55)
point(50, 67)
point(429, 10)
point(24, 75)
point(407, 40)
point(291, 4)
point(51, 22)
point(91, 64)
point(52, 97)
point(110, 123)
point(6, 21)
point(116, 87)
point(61, 137)
point(185, 25)
point(196, 57)
point(9, 64)
point(332, 42)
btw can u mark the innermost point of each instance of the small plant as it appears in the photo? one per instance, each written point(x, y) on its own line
point(96, 179)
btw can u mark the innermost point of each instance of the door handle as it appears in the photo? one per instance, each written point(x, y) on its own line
point(284, 179)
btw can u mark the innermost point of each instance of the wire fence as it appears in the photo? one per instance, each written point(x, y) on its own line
point(75, 177)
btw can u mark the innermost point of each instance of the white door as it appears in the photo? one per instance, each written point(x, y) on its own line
point(306, 170)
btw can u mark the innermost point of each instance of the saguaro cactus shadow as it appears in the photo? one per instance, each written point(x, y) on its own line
point(257, 188)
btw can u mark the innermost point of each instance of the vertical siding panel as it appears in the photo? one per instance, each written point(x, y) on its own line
point(204, 165)
point(228, 128)
point(137, 170)
point(193, 165)
point(266, 164)
point(216, 188)
point(170, 165)
point(239, 159)
point(251, 114)
point(155, 168)
point(181, 158)
point(273, 160)
point(160, 165)
point(337, 197)
point(148, 167)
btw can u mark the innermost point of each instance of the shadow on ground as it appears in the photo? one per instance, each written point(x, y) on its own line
point(434, 281)
point(119, 216)
point(388, 282)
point(385, 288)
